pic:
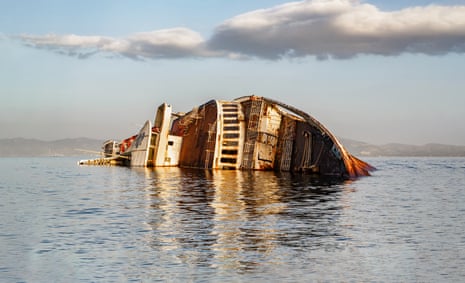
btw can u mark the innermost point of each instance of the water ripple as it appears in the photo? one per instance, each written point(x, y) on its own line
point(71, 223)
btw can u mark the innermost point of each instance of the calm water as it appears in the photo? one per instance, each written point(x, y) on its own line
point(65, 223)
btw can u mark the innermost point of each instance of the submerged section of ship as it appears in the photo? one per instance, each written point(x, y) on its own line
point(248, 133)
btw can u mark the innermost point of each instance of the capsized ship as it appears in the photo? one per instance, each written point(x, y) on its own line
point(247, 133)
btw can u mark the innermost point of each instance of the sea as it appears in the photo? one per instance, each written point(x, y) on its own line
point(61, 222)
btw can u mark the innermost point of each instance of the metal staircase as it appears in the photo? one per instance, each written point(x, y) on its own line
point(231, 135)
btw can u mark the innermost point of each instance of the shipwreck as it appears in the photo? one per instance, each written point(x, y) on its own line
point(247, 133)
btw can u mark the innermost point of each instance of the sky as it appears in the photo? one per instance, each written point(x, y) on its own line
point(376, 71)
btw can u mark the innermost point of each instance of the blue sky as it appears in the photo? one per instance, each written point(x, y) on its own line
point(375, 71)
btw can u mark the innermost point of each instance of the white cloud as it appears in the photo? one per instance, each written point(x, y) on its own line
point(168, 43)
point(321, 28)
point(73, 45)
point(342, 29)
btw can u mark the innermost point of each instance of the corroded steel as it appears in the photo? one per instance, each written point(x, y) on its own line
point(251, 133)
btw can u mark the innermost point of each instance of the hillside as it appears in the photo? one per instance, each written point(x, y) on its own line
point(359, 148)
point(20, 147)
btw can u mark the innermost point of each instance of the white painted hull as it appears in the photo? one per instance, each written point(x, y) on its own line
point(140, 148)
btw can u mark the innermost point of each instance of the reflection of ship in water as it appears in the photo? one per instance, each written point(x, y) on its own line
point(249, 133)
point(204, 216)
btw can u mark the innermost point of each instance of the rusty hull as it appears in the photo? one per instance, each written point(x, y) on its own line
point(248, 133)
point(267, 135)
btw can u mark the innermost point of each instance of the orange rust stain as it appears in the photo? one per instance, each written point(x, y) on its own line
point(357, 168)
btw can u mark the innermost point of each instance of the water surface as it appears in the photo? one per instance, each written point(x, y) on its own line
point(66, 223)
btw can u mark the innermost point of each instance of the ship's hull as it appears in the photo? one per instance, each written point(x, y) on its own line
point(249, 133)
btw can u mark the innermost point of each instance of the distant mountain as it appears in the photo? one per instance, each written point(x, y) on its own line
point(359, 148)
point(20, 147)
